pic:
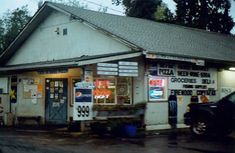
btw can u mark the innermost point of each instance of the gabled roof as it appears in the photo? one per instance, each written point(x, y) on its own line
point(145, 35)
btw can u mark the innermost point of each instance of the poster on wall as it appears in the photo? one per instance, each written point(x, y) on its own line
point(83, 101)
point(157, 89)
point(32, 88)
point(32, 91)
point(88, 76)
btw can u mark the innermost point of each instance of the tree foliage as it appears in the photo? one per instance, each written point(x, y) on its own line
point(139, 8)
point(163, 14)
point(11, 24)
point(212, 15)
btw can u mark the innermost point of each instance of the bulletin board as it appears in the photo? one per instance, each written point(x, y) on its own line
point(32, 88)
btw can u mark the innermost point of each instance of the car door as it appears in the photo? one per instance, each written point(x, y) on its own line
point(230, 108)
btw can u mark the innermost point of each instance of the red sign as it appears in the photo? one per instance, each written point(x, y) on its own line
point(101, 83)
point(156, 82)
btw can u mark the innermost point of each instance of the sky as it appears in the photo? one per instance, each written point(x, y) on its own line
point(92, 4)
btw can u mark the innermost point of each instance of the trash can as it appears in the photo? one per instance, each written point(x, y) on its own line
point(130, 130)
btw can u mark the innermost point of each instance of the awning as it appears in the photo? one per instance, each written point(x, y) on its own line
point(75, 62)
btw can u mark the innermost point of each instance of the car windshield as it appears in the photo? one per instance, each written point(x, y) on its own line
point(230, 97)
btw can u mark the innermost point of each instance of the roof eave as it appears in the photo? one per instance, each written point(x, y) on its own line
point(207, 60)
point(71, 63)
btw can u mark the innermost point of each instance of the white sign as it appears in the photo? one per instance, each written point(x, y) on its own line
point(123, 68)
point(128, 68)
point(194, 79)
point(128, 71)
point(127, 63)
point(83, 101)
point(107, 65)
point(106, 73)
point(107, 69)
point(128, 74)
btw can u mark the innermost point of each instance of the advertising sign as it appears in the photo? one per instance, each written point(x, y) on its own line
point(128, 68)
point(189, 78)
point(157, 89)
point(107, 69)
point(123, 68)
point(83, 101)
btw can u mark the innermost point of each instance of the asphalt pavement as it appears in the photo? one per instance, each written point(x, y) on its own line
point(58, 141)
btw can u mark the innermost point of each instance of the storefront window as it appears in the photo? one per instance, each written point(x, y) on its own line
point(124, 90)
point(112, 90)
point(157, 88)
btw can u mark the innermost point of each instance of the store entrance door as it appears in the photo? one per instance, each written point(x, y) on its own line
point(56, 101)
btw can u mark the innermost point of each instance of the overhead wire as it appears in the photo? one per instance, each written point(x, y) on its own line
point(102, 6)
point(93, 3)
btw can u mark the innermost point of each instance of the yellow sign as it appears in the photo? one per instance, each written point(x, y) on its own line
point(12, 94)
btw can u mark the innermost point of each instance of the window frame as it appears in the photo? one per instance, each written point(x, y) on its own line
point(130, 86)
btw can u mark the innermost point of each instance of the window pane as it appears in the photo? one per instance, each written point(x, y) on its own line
point(157, 89)
point(124, 90)
point(104, 91)
point(232, 98)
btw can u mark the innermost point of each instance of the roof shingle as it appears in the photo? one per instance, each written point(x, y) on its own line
point(160, 37)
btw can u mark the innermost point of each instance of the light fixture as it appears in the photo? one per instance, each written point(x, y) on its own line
point(232, 68)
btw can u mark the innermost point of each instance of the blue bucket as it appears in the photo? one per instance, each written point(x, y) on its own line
point(130, 130)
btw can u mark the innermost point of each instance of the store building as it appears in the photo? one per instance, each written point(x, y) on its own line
point(129, 61)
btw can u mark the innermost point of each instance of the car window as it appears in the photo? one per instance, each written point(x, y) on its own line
point(231, 97)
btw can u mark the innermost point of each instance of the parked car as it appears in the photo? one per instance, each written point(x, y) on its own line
point(212, 117)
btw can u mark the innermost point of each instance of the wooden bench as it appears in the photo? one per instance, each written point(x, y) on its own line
point(21, 119)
